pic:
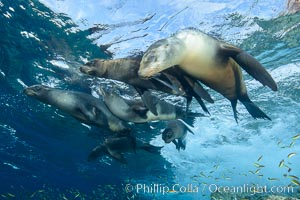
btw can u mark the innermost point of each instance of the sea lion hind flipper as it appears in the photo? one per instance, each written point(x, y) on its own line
point(233, 105)
point(176, 144)
point(152, 149)
point(181, 144)
point(253, 109)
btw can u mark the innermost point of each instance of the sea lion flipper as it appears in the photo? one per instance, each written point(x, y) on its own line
point(198, 89)
point(253, 109)
point(147, 102)
point(96, 152)
point(175, 84)
point(249, 64)
point(189, 87)
point(118, 156)
point(90, 114)
point(140, 110)
point(187, 126)
point(176, 144)
point(233, 105)
point(181, 144)
point(255, 69)
point(133, 142)
point(150, 102)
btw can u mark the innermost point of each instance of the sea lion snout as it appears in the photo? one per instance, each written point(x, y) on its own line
point(86, 70)
point(147, 73)
point(167, 135)
point(34, 90)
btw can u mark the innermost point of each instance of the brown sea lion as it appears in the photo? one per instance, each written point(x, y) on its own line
point(210, 61)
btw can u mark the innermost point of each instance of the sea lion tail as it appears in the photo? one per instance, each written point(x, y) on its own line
point(152, 149)
point(253, 109)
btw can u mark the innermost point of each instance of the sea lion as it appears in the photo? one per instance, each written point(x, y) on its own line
point(126, 70)
point(135, 111)
point(115, 146)
point(176, 130)
point(210, 61)
point(83, 107)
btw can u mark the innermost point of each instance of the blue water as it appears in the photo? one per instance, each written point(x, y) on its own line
point(43, 152)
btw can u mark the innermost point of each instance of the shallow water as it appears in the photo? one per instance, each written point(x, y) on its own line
point(43, 152)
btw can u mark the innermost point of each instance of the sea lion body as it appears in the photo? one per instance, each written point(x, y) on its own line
point(176, 132)
point(203, 62)
point(135, 111)
point(210, 61)
point(117, 145)
point(81, 106)
point(126, 70)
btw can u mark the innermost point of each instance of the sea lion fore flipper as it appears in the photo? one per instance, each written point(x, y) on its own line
point(249, 64)
point(140, 110)
point(255, 69)
point(117, 155)
point(175, 84)
point(85, 112)
point(150, 102)
point(147, 102)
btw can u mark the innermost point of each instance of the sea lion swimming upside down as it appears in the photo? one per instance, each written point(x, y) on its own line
point(210, 61)
point(133, 110)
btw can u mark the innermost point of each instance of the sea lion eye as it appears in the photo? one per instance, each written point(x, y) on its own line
point(152, 58)
point(38, 88)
